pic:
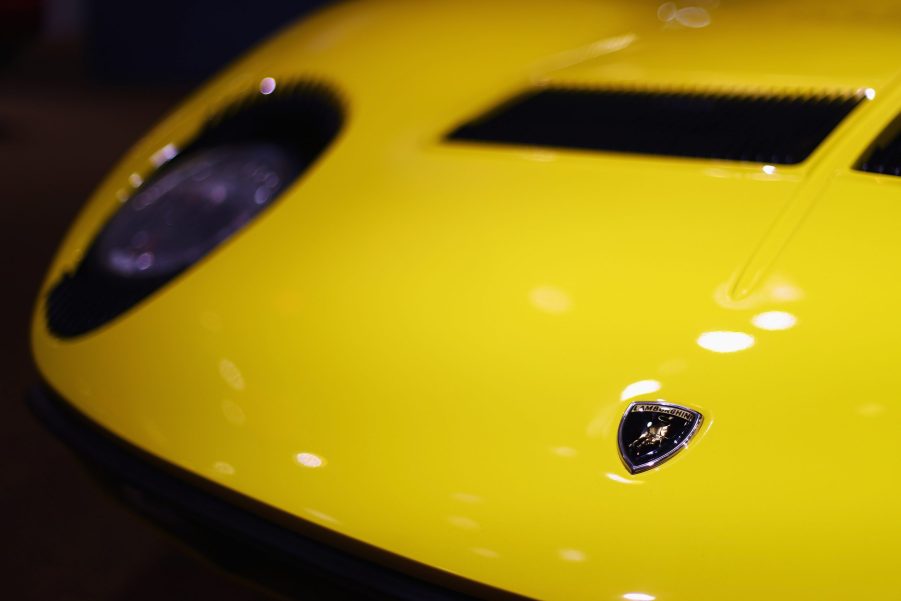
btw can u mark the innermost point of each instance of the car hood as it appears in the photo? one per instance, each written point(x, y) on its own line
point(428, 346)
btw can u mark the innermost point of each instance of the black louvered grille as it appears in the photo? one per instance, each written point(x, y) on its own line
point(884, 156)
point(766, 129)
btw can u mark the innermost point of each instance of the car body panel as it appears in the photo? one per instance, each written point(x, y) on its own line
point(427, 346)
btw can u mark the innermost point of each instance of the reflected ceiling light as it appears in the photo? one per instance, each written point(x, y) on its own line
point(319, 515)
point(550, 299)
point(667, 11)
point(774, 320)
point(639, 388)
point(267, 86)
point(639, 597)
point(225, 468)
point(572, 555)
point(231, 374)
point(870, 93)
point(463, 522)
point(769, 169)
point(786, 292)
point(309, 460)
point(564, 451)
point(164, 155)
point(693, 16)
point(725, 342)
point(621, 480)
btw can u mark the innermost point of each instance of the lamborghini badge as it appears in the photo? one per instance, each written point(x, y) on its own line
point(653, 431)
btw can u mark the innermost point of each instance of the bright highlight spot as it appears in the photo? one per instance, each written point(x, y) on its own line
point(639, 388)
point(786, 292)
point(639, 597)
point(621, 480)
point(324, 517)
point(769, 169)
point(688, 16)
point(224, 468)
point(774, 320)
point(667, 11)
point(572, 555)
point(693, 16)
point(231, 374)
point(564, 451)
point(870, 93)
point(871, 409)
point(550, 299)
point(725, 342)
point(463, 522)
point(309, 460)
point(267, 86)
point(465, 497)
point(135, 180)
point(164, 155)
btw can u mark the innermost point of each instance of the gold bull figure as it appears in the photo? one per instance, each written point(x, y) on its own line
point(650, 437)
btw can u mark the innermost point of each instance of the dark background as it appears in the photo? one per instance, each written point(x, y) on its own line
point(80, 80)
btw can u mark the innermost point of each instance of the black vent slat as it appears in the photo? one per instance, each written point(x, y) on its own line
point(764, 129)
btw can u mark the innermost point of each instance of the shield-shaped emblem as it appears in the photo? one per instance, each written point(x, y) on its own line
point(653, 431)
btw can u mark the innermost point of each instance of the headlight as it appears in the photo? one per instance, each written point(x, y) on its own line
point(189, 209)
point(235, 168)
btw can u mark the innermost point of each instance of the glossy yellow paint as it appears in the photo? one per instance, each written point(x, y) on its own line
point(428, 346)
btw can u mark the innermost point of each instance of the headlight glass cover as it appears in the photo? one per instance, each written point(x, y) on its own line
point(187, 210)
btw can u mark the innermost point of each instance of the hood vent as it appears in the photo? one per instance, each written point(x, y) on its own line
point(757, 128)
point(884, 156)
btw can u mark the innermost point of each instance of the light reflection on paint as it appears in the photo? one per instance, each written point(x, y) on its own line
point(465, 497)
point(267, 86)
point(231, 374)
point(564, 451)
point(482, 551)
point(774, 320)
point(639, 388)
point(639, 597)
point(164, 155)
point(550, 299)
point(871, 409)
point(725, 342)
point(224, 468)
point(463, 522)
point(582, 54)
point(573, 555)
point(769, 169)
point(309, 460)
point(319, 515)
point(621, 480)
point(870, 93)
point(694, 17)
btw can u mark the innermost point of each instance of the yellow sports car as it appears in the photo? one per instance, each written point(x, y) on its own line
point(580, 300)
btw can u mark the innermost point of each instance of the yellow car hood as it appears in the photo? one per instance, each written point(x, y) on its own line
point(427, 346)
